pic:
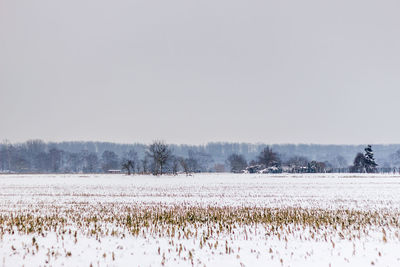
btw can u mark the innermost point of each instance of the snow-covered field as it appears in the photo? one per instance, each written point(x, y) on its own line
point(205, 219)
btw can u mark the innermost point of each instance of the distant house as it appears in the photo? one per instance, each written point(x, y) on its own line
point(114, 171)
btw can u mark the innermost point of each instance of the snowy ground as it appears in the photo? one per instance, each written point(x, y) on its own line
point(206, 219)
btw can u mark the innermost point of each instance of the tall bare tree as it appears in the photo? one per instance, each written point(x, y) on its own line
point(268, 157)
point(185, 165)
point(145, 163)
point(129, 161)
point(160, 153)
point(174, 165)
point(128, 165)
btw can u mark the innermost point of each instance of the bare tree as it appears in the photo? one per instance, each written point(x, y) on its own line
point(160, 153)
point(268, 158)
point(199, 161)
point(129, 161)
point(109, 160)
point(91, 162)
point(73, 162)
point(174, 164)
point(128, 165)
point(185, 165)
point(341, 162)
point(237, 163)
point(5, 156)
point(145, 164)
point(33, 149)
point(55, 159)
point(132, 157)
point(298, 164)
point(395, 158)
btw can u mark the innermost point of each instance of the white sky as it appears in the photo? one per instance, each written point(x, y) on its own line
point(190, 71)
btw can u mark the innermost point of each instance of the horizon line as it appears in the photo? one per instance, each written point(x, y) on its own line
point(197, 144)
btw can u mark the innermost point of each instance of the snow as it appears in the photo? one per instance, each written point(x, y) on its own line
point(71, 196)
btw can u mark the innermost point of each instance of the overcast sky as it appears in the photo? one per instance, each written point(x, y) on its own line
point(193, 71)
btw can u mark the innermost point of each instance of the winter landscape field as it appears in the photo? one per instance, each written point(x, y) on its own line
point(200, 220)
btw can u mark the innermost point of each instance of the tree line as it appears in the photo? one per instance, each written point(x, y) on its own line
point(36, 156)
point(269, 161)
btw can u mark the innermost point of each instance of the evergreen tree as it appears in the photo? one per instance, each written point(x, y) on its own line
point(369, 160)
